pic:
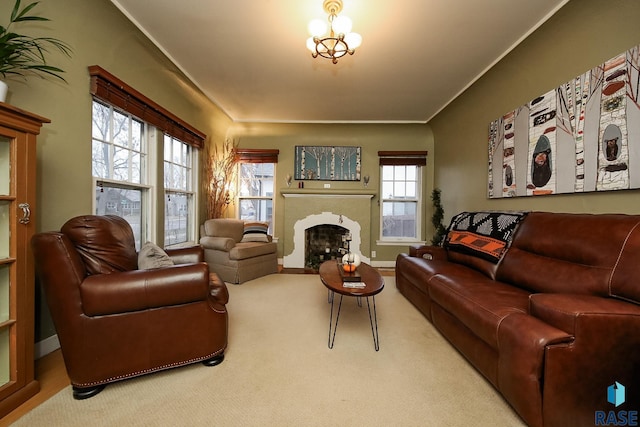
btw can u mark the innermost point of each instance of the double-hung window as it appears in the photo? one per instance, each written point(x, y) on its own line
point(256, 178)
point(401, 195)
point(119, 166)
point(178, 192)
point(130, 133)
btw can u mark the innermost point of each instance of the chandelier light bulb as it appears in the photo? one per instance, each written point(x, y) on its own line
point(311, 44)
point(317, 28)
point(354, 40)
point(341, 25)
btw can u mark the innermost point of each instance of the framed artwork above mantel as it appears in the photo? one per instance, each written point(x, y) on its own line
point(327, 163)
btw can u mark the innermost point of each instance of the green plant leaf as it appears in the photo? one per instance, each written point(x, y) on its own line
point(19, 16)
point(21, 54)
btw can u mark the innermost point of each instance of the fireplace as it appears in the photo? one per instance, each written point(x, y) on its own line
point(348, 213)
point(323, 242)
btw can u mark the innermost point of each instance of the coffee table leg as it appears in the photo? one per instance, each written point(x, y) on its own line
point(376, 338)
point(335, 327)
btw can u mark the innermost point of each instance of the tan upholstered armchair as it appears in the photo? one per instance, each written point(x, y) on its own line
point(237, 250)
point(115, 321)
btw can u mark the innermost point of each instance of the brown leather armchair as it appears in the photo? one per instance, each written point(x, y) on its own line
point(115, 321)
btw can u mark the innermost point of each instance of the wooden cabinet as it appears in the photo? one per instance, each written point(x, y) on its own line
point(18, 131)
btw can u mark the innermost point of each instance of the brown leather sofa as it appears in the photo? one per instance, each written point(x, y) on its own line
point(553, 324)
point(115, 321)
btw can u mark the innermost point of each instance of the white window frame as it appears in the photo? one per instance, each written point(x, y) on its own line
point(240, 198)
point(147, 174)
point(383, 240)
point(191, 182)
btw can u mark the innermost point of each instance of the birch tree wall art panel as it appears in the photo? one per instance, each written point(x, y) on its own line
point(325, 163)
point(582, 136)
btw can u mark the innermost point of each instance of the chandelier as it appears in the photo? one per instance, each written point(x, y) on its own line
point(339, 40)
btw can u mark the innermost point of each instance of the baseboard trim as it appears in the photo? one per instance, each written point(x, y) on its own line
point(383, 264)
point(46, 346)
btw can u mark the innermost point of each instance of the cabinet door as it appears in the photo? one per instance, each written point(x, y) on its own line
point(8, 271)
point(18, 131)
point(17, 197)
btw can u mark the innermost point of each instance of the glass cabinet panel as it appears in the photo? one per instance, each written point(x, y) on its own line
point(5, 229)
point(5, 366)
point(4, 294)
point(5, 165)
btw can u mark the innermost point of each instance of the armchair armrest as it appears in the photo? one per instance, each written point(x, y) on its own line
point(428, 252)
point(136, 290)
point(189, 255)
point(218, 243)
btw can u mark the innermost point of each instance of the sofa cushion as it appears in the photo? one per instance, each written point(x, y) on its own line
point(251, 249)
point(480, 304)
point(152, 256)
point(484, 235)
point(419, 271)
point(105, 243)
point(255, 232)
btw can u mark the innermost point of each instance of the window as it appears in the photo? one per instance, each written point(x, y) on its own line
point(119, 151)
point(126, 137)
point(256, 172)
point(178, 192)
point(255, 192)
point(401, 190)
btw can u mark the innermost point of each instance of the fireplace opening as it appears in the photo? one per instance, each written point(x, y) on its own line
point(322, 243)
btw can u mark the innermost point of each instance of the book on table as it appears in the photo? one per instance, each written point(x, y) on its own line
point(349, 276)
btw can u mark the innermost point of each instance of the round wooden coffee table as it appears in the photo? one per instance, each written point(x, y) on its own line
point(336, 283)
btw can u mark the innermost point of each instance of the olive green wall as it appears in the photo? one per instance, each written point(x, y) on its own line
point(99, 35)
point(583, 34)
point(371, 137)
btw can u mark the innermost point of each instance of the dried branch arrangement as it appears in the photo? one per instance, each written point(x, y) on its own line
point(219, 171)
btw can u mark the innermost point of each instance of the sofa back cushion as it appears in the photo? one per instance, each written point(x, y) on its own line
point(105, 243)
point(569, 253)
point(624, 283)
point(225, 227)
point(485, 267)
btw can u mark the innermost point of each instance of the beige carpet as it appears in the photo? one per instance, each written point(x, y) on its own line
point(278, 371)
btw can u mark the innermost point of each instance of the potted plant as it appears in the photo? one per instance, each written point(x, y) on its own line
point(436, 218)
point(22, 55)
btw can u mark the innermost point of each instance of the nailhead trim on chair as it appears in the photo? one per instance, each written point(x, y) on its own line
point(148, 371)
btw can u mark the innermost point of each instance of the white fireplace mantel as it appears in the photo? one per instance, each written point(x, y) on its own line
point(307, 208)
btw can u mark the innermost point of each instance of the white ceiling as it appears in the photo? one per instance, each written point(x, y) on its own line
point(249, 56)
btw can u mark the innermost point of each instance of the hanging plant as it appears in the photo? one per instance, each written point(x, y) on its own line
point(219, 169)
point(22, 55)
point(436, 218)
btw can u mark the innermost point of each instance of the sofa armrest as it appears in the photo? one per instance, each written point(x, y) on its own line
point(217, 243)
point(567, 311)
point(522, 344)
point(116, 293)
point(428, 252)
point(189, 255)
point(604, 350)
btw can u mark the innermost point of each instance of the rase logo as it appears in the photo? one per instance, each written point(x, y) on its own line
point(616, 395)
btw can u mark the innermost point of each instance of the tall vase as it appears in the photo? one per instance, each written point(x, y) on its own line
point(3, 91)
